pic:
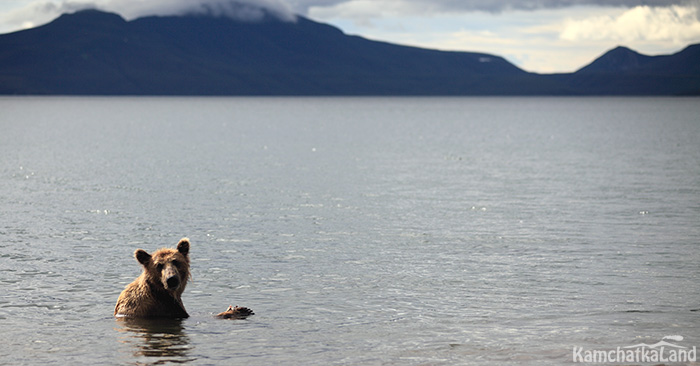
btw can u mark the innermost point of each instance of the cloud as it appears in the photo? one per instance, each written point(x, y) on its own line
point(366, 12)
point(245, 10)
point(43, 11)
point(37, 13)
point(675, 24)
point(449, 6)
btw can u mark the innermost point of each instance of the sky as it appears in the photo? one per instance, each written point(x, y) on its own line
point(544, 36)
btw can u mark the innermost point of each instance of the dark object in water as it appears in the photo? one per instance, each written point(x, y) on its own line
point(235, 313)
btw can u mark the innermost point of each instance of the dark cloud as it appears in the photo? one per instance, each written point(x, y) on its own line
point(496, 6)
point(285, 9)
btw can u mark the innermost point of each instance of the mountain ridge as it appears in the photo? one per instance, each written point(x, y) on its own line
point(92, 52)
point(619, 59)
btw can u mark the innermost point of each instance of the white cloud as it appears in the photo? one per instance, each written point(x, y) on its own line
point(675, 24)
point(237, 9)
point(37, 12)
point(362, 10)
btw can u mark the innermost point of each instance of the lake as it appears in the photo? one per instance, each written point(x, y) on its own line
point(361, 231)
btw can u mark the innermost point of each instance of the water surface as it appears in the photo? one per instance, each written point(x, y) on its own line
point(360, 230)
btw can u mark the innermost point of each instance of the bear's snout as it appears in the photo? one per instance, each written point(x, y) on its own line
point(173, 282)
point(172, 278)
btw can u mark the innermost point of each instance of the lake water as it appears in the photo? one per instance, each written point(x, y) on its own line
point(362, 231)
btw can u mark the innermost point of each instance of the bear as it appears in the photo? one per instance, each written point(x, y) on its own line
point(156, 292)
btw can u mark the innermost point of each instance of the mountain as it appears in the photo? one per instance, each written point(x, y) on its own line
point(618, 60)
point(96, 53)
point(622, 71)
point(622, 60)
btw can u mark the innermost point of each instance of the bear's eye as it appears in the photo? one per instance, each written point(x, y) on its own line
point(159, 266)
point(176, 263)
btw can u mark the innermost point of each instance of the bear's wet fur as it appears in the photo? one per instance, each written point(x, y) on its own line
point(157, 292)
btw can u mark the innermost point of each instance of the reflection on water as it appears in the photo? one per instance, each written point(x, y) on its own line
point(159, 340)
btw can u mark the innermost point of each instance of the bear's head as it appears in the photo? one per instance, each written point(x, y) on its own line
point(169, 268)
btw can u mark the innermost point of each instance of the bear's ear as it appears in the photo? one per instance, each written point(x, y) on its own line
point(184, 246)
point(142, 256)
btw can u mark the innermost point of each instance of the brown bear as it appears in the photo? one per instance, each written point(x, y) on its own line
point(156, 292)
